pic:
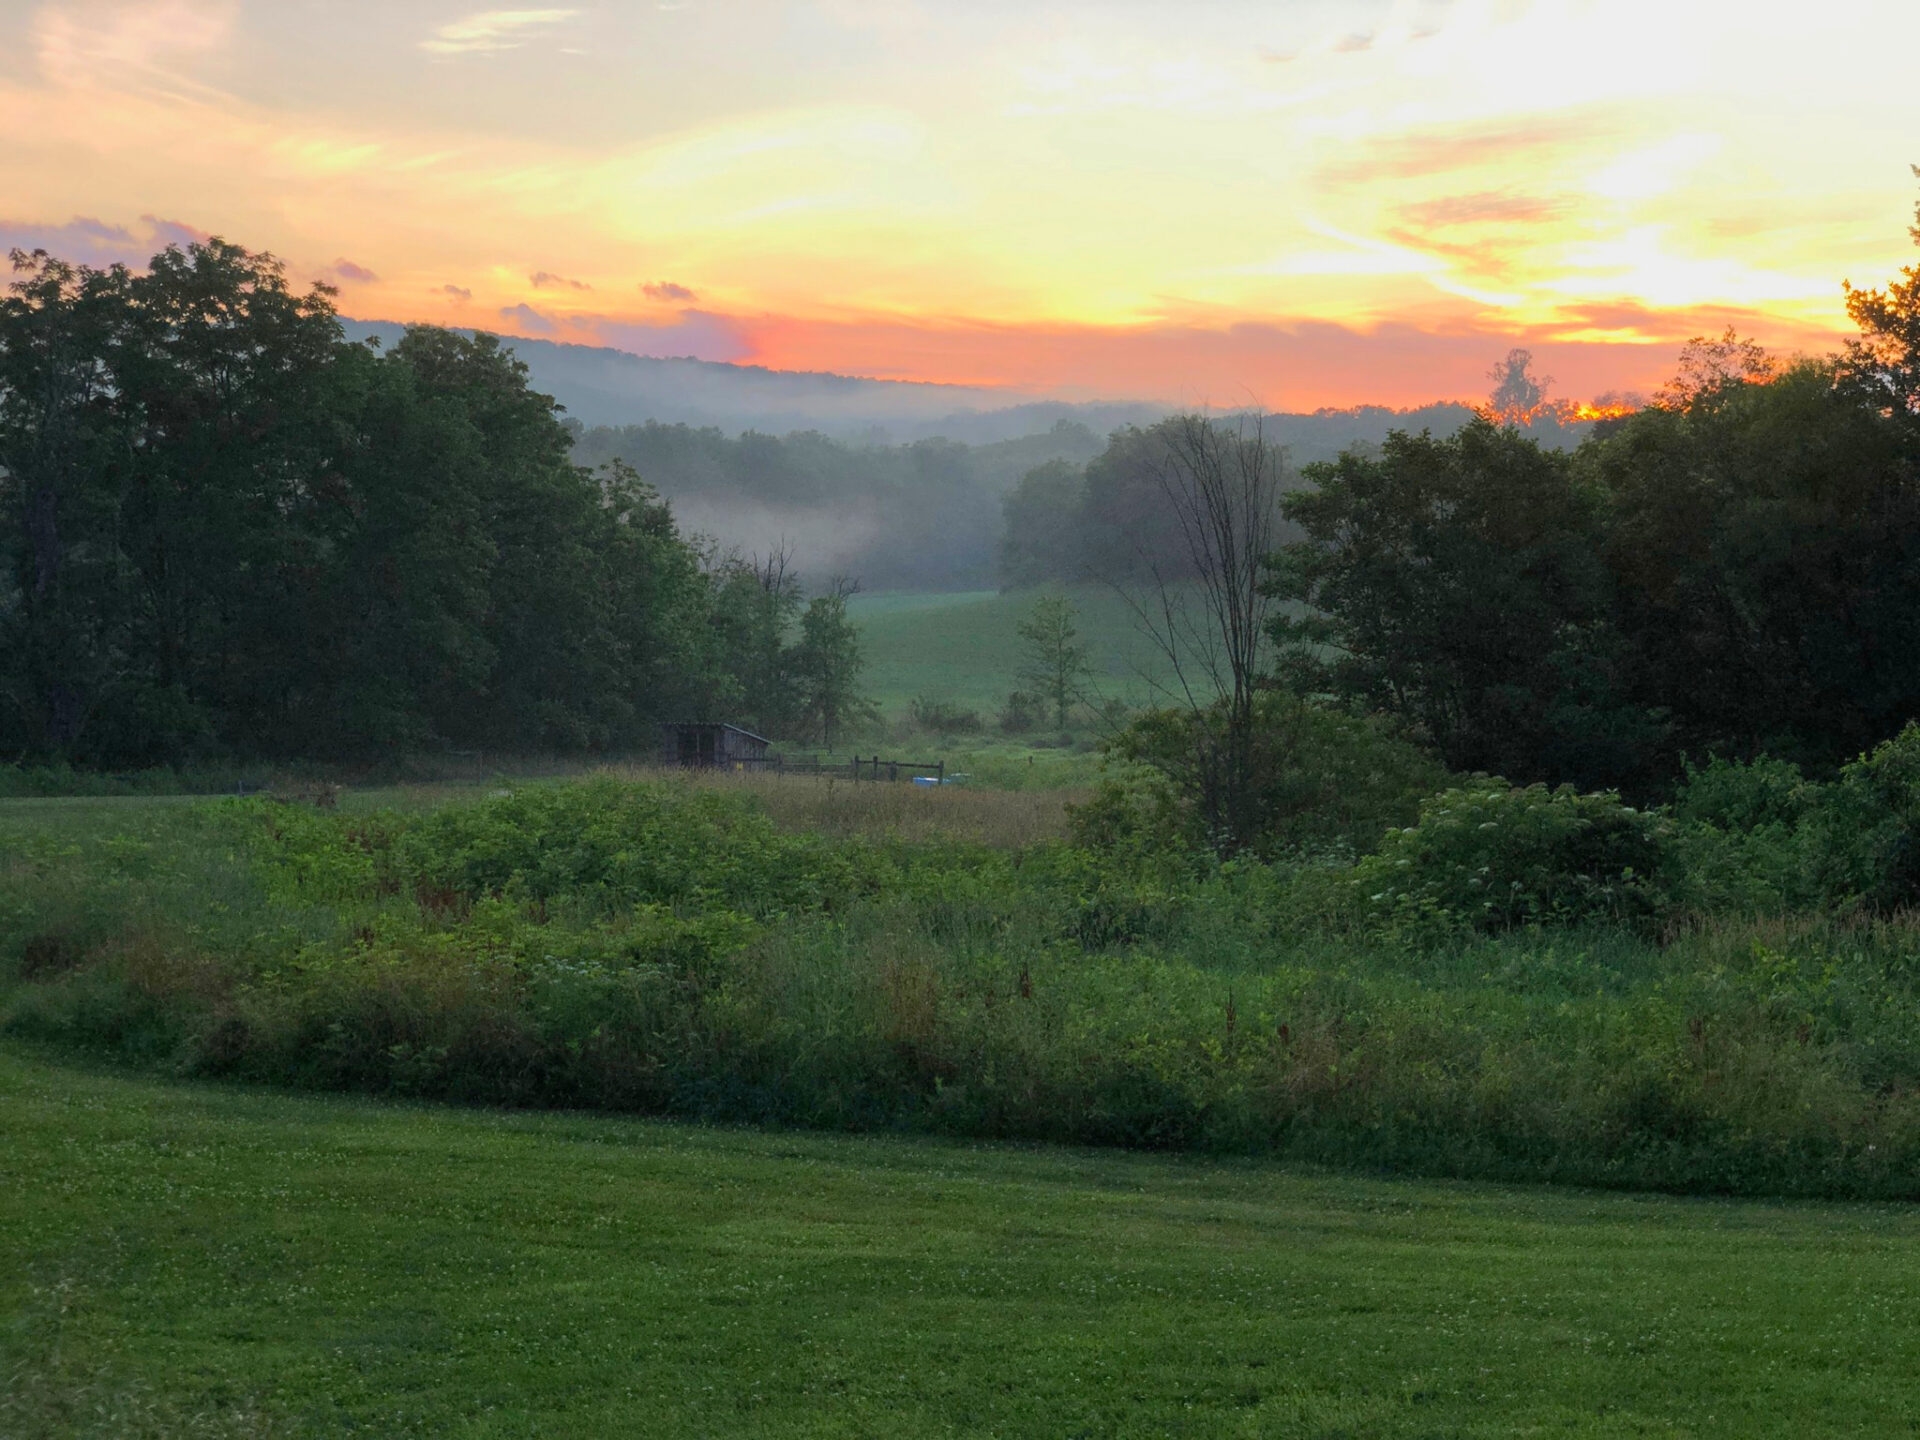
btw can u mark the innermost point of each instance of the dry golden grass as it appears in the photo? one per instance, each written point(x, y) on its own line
point(836, 806)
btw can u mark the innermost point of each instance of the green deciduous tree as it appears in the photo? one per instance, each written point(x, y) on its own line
point(1883, 364)
point(827, 664)
point(63, 453)
point(221, 376)
point(756, 607)
point(227, 529)
point(1054, 661)
point(1042, 530)
point(1765, 546)
point(1458, 585)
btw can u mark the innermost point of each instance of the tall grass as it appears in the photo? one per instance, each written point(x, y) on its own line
point(844, 808)
point(774, 952)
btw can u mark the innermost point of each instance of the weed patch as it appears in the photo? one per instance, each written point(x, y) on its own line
point(673, 949)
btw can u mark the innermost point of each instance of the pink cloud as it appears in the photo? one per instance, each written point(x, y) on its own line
point(357, 274)
point(529, 320)
point(667, 290)
point(87, 241)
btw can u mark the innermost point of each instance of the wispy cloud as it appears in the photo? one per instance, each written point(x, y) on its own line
point(667, 290)
point(145, 44)
point(546, 280)
point(357, 274)
point(458, 292)
point(491, 31)
point(1485, 207)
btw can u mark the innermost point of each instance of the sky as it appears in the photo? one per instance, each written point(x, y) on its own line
point(1299, 202)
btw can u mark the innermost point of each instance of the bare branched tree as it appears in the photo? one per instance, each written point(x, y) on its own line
point(1222, 482)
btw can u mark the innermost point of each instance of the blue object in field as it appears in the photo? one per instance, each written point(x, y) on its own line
point(926, 779)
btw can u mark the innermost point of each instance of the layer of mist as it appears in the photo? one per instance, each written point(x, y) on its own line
point(898, 485)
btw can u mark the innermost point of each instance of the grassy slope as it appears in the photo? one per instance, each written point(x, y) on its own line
point(178, 1259)
point(966, 647)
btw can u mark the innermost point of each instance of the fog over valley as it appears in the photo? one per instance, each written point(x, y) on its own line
point(897, 485)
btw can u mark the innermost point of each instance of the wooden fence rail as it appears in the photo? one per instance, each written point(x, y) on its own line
point(861, 767)
point(934, 769)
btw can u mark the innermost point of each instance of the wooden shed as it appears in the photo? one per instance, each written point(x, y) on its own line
point(709, 743)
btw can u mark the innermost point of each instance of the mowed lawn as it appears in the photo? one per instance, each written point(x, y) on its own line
point(966, 648)
point(183, 1259)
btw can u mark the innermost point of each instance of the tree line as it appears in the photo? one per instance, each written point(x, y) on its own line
point(1107, 515)
point(1733, 570)
point(1729, 571)
point(224, 530)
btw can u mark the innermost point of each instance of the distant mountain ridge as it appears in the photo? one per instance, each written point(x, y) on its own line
point(601, 386)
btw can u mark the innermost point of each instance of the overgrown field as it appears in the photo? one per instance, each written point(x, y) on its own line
point(670, 949)
point(198, 1260)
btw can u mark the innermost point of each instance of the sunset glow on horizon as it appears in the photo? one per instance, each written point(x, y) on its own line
point(1329, 202)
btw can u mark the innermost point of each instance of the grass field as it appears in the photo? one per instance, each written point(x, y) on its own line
point(179, 1259)
point(195, 1258)
point(966, 647)
point(813, 804)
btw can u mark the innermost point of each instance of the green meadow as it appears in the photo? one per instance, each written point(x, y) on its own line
point(192, 1259)
point(965, 647)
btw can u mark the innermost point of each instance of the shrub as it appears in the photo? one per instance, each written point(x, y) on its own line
point(1757, 837)
point(944, 716)
point(1022, 713)
point(1749, 837)
point(1492, 857)
point(1744, 795)
point(1134, 811)
point(603, 845)
point(1325, 779)
point(640, 947)
point(1870, 826)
